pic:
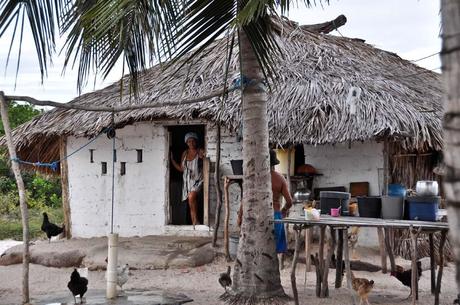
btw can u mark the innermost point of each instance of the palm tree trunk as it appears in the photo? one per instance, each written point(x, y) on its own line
point(256, 274)
point(22, 198)
point(450, 56)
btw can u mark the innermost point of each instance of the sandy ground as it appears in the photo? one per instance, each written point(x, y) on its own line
point(201, 284)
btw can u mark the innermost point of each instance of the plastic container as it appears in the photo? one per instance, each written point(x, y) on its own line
point(237, 167)
point(329, 200)
point(392, 207)
point(423, 207)
point(370, 206)
point(397, 190)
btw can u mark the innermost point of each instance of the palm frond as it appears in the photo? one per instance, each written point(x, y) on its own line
point(102, 32)
point(42, 17)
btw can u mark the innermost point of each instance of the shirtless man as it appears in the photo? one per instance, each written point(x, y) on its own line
point(279, 187)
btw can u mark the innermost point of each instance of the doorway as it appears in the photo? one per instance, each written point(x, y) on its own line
point(179, 210)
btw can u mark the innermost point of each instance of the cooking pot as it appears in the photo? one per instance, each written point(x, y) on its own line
point(427, 188)
point(302, 195)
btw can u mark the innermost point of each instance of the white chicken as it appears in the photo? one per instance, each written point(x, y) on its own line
point(122, 275)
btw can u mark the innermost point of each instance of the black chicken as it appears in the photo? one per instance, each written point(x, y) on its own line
point(78, 285)
point(224, 279)
point(405, 276)
point(50, 228)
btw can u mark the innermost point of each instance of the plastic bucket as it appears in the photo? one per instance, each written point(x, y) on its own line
point(334, 200)
point(392, 207)
point(423, 207)
point(370, 206)
point(396, 190)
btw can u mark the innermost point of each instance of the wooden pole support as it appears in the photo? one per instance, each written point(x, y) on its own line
point(432, 264)
point(346, 254)
point(442, 242)
point(339, 265)
point(383, 253)
point(227, 218)
point(22, 198)
point(294, 264)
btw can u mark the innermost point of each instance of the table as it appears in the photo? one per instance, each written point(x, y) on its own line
point(342, 224)
point(229, 180)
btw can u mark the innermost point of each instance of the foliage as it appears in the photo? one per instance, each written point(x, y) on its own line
point(11, 227)
point(19, 114)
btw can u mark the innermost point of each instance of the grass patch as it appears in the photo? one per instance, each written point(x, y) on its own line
point(11, 225)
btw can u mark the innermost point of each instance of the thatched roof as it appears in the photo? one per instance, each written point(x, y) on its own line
point(399, 99)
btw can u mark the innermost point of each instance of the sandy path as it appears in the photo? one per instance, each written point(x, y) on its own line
point(201, 284)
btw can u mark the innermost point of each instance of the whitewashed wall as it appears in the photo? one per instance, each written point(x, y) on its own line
point(341, 165)
point(139, 195)
point(231, 149)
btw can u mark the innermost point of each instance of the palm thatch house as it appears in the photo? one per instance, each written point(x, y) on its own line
point(400, 104)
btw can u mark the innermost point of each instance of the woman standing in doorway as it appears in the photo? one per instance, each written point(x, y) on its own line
point(192, 168)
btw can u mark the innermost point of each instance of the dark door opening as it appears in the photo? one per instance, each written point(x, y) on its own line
point(179, 210)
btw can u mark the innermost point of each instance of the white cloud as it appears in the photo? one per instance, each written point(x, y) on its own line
point(409, 28)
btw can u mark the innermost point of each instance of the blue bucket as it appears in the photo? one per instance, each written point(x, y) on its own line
point(396, 190)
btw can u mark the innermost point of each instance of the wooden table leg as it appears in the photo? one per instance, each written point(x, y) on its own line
point(322, 234)
point(330, 251)
point(414, 276)
point(346, 254)
point(432, 264)
point(294, 264)
point(338, 264)
point(383, 253)
point(320, 266)
point(227, 218)
point(308, 246)
point(390, 250)
point(441, 266)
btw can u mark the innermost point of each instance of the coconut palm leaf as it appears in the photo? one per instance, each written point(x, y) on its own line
point(42, 17)
point(102, 32)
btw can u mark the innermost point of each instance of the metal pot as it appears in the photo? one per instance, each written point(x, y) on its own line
point(302, 195)
point(427, 188)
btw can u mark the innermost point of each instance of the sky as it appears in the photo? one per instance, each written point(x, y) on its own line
point(409, 28)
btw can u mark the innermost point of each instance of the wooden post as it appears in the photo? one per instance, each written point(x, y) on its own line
point(339, 264)
point(22, 198)
point(227, 217)
point(441, 266)
point(315, 261)
point(386, 165)
point(65, 186)
point(330, 251)
point(383, 253)
point(206, 191)
point(346, 254)
point(294, 264)
point(414, 276)
point(389, 250)
point(308, 246)
point(432, 264)
point(218, 189)
point(321, 247)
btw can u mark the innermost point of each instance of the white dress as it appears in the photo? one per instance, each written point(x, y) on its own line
point(192, 176)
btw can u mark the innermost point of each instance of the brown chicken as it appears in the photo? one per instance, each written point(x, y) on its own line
point(363, 287)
